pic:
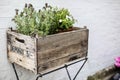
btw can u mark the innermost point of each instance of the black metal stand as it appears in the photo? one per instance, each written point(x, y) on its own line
point(13, 65)
point(65, 66)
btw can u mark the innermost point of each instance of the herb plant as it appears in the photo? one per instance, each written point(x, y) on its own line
point(46, 21)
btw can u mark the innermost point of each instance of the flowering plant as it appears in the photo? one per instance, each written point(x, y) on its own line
point(46, 21)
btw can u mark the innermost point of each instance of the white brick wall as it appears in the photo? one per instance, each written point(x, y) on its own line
point(102, 18)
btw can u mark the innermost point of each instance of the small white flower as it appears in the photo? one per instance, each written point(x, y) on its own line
point(60, 20)
point(68, 17)
point(24, 14)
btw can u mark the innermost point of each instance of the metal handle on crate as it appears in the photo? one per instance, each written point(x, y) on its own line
point(20, 40)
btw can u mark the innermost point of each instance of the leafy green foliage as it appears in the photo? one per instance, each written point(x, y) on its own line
point(48, 20)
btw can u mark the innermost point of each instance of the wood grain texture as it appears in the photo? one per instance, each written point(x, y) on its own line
point(45, 53)
point(22, 50)
point(22, 41)
point(22, 61)
point(53, 64)
point(63, 44)
point(55, 50)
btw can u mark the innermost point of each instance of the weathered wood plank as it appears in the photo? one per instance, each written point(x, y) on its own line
point(22, 50)
point(66, 38)
point(23, 61)
point(22, 41)
point(50, 65)
point(63, 44)
point(59, 52)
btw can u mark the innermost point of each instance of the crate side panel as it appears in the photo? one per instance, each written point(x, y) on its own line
point(60, 52)
point(51, 65)
point(22, 50)
point(57, 40)
point(22, 41)
point(58, 46)
point(22, 61)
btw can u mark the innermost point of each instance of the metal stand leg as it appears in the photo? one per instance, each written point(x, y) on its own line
point(80, 69)
point(66, 67)
point(68, 72)
point(40, 75)
point(77, 72)
point(15, 71)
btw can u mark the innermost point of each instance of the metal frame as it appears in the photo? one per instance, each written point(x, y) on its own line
point(65, 66)
point(13, 65)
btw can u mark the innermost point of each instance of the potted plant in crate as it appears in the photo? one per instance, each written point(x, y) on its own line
point(45, 39)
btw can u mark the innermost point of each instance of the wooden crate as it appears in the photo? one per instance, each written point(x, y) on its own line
point(40, 54)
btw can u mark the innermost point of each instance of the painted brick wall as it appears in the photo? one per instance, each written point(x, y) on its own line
point(102, 18)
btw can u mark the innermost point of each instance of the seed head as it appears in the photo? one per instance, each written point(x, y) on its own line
point(25, 5)
point(32, 9)
point(39, 10)
point(46, 4)
point(16, 10)
point(44, 8)
point(30, 5)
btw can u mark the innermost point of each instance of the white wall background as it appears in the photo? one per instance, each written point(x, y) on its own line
point(102, 18)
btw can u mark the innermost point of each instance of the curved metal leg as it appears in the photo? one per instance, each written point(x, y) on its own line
point(66, 67)
point(80, 69)
point(15, 71)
